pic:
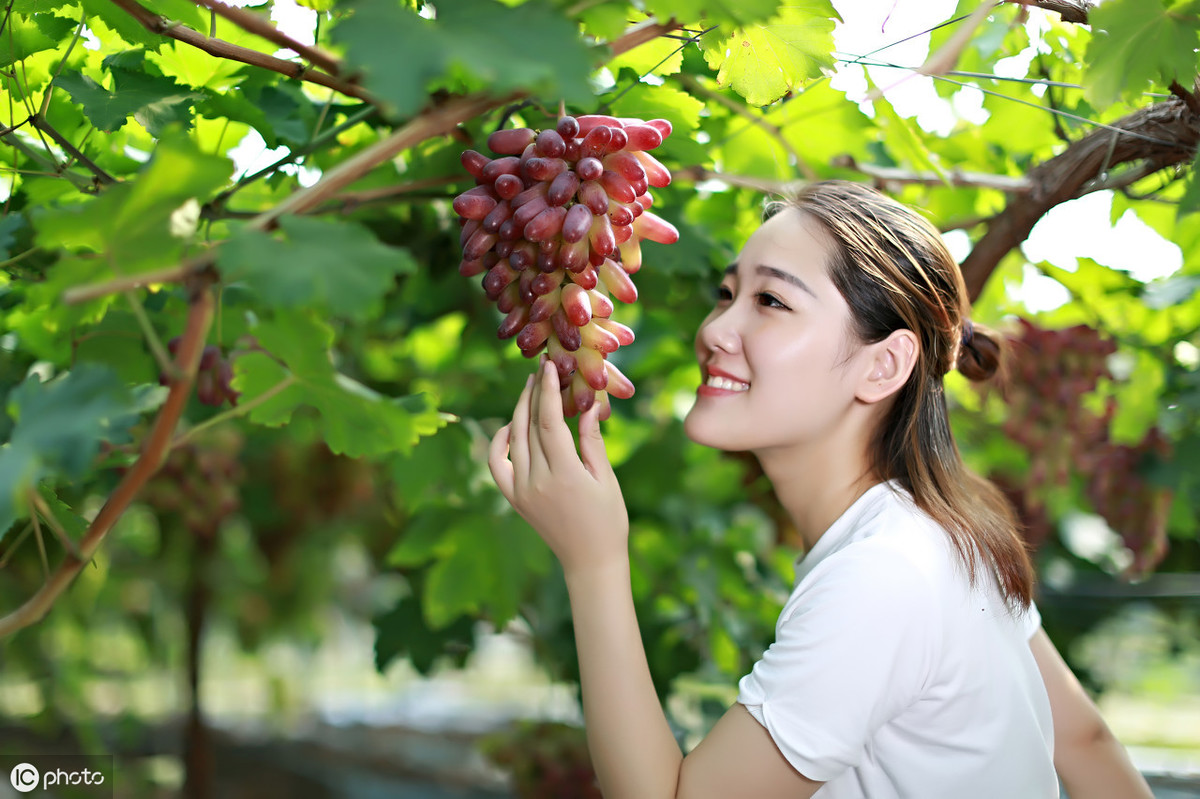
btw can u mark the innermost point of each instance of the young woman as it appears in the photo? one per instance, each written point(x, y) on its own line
point(908, 660)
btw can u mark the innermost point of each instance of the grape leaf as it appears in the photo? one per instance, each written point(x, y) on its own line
point(728, 12)
point(24, 36)
point(58, 430)
point(371, 35)
point(764, 62)
point(487, 38)
point(153, 100)
point(490, 560)
point(354, 419)
point(131, 222)
point(403, 631)
point(1136, 43)
point(9, 225)
point(317, 263)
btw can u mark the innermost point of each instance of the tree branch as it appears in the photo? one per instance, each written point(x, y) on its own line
point(222, 49)
point(41, 124)
point(1169, 133)
point(639, 35)
point(1070, 10)
point(260, 27)
point(884, 176)
point(153, 452)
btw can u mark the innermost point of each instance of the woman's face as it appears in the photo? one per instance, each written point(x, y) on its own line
point(777, 365)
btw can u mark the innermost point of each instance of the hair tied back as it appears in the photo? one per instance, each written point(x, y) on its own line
point(968, 332)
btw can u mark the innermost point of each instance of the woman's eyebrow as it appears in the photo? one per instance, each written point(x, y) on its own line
point(771, 271)
point(787, 277)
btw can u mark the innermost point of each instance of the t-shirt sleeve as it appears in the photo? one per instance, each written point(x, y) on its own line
point(854, 646)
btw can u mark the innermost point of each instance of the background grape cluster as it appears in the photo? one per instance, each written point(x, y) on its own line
point(555, 225)
point(1054, 414)
point(214, 376)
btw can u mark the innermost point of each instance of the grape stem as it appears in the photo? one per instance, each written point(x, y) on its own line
point(165, 364)
point(35, 499)
point(16, 544)
point(234, 412)
point(154, 451)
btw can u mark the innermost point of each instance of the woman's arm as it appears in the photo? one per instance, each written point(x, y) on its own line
point(575, 504)
point(1090, 761)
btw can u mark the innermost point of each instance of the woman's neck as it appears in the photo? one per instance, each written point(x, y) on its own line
point(817, 483)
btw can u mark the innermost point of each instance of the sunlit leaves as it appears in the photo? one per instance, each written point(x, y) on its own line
point(1138, 43)
point(764, 62)
point(722, 12)
point(24, 36)
point(154, 101)
point(315, 263)
point(130, 224)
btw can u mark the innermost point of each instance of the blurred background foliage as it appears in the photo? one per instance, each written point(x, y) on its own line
point(157, 153)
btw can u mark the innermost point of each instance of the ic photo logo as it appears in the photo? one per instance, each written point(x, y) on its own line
point(24, 777)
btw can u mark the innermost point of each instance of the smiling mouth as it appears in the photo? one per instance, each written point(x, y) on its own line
point(725, 383)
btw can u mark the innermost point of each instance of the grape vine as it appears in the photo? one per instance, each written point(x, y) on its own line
point(555, 227)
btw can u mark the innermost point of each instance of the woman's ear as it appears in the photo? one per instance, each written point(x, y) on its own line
point(890, 363)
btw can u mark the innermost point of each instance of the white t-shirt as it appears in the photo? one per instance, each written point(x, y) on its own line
point(891, 677)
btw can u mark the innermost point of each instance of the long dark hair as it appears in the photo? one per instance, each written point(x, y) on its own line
point(894, 271)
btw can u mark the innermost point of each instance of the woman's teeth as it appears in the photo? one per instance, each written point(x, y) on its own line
point(725, 383)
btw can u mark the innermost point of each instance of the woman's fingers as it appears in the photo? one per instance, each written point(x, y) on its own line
point(551, 431)
point(591, 443)
point(518, 433)
point(498, 462)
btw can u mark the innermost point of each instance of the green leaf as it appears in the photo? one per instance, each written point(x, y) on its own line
point(764, 62)
point(153, 100)
point(9, 225)
point(316, 263)
point(24, 36)
point(1137, 43)
point(353, 419)
point(58, 430)
point(403, 631)
point(726, 12)
point(131, 222)
point(660, 56)
point(1190, 201)
point(531, 47)
point(491, 560)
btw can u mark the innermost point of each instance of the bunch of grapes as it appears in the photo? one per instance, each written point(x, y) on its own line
point(1053, 374)
point(1053, 370)
point(213, 378)
point(199, 484)
point(555, 226)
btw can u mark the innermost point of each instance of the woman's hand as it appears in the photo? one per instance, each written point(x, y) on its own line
point(573, 501)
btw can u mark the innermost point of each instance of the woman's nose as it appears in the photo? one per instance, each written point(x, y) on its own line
point(718, 332)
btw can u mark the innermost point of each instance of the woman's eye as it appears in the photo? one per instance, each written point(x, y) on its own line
point(770, 300)
point(722, 294)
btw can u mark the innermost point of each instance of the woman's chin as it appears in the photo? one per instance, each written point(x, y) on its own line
point(704, 432)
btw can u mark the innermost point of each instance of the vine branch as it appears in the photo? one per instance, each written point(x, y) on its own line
point(156, 23)
point(1156, 137)
point(1070, 10)
point(252, 23)
point(154, 451)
